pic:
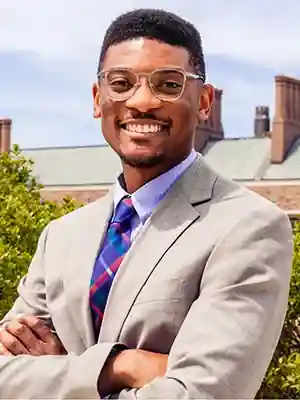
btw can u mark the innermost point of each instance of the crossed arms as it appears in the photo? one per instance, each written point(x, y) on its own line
point(221, 351)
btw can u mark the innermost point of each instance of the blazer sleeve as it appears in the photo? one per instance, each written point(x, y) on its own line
point(47, 377)
point(31, 289)
point(227, 340)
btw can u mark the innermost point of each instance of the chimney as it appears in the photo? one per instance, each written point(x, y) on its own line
point(5, 135)
point(262, 121)
point(212, 128)
point(286, 122)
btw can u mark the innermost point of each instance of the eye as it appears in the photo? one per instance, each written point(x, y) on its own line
point(120, 84)
point(169, 86)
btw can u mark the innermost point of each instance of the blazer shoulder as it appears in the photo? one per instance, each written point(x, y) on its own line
point(226, 189)
point(228, 200)
point(223, 189)
point(239, 202)
point(85, 212)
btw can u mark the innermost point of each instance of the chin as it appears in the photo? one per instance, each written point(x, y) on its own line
point(142, 161)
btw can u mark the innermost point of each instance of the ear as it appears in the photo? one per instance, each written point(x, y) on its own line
point(206, 101)
point(96, 101)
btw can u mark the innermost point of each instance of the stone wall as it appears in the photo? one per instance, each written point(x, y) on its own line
point(286, 196)
point(80, 195)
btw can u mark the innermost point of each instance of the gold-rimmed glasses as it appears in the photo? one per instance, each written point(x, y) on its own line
point(167, 84)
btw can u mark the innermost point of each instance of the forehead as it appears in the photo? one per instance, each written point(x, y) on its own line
point(144, 54)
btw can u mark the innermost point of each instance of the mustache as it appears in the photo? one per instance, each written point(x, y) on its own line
point(147, 116)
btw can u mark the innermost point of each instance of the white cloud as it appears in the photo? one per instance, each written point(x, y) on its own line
point(257, 32)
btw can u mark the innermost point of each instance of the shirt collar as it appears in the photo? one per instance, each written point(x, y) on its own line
point(146, 198)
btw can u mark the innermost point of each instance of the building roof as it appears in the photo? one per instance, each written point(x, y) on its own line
point(289, 169)
point(243, 159)
point(73, 166)
point(239, 159)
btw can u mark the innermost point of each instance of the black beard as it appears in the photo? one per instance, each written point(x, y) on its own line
point(142, 162)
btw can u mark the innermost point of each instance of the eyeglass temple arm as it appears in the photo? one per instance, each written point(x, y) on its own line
point(195, 76)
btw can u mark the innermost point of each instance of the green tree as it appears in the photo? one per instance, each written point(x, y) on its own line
point(282, 380)
point(23, 216)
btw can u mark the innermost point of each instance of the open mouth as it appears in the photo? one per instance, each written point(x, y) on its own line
point(144, 127)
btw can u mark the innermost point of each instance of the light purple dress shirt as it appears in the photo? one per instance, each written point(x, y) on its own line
point(146, 198)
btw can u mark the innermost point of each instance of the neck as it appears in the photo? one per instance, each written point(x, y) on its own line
point(135, 177)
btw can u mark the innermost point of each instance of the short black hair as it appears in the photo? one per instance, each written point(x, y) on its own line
point(159, 25)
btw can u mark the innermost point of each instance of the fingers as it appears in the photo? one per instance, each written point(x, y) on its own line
point(29, 335)
point(38, 326)
point(43, 332)
point(4, 351)
point(10, 345)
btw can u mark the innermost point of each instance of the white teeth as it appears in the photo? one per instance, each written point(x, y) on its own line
point(146, 128)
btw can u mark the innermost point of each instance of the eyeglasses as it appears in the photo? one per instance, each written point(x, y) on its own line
point(167, 84)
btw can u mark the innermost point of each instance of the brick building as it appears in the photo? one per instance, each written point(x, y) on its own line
point(268, 162)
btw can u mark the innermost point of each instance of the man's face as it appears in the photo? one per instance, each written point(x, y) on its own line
point(144, 130)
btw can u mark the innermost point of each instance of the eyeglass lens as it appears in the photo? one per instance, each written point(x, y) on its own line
point(165, 84)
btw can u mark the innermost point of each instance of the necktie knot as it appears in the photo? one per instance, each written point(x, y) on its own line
point(124, 211)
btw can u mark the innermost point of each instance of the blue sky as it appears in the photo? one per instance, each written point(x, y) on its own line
point(49, 53)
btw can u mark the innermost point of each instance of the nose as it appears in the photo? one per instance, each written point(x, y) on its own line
point(143, 99)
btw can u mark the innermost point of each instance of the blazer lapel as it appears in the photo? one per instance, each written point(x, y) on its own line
point(86, 241)
point(172, 217)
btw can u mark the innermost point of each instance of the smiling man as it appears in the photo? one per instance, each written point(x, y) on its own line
point(175, 285)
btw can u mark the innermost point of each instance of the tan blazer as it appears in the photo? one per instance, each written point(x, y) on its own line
point(206, 281)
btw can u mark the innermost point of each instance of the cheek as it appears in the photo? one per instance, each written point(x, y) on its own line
point(107, 110)
point(185, 115)
point(108, 119)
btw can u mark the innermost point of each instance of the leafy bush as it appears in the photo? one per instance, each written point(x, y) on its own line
point(282, 380)
point(23, 216)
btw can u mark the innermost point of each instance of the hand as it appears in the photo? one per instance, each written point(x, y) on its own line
point(131, 369)
point(141, 367)
point(29, 335)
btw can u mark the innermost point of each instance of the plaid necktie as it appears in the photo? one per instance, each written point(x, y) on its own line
point(115, 246)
